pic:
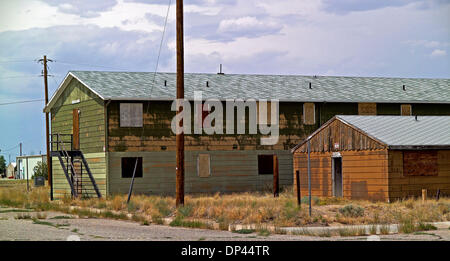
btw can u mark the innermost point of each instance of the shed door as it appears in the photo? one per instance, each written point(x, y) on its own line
point(76, 129)
point(337, 177)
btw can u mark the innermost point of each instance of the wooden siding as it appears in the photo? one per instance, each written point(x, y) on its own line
point(91, 118)
point(338, 136)
point(231, 171)
point(158, 136)
point(91, 133)
point(403, 186)
point(98, 166)
point(364, 174)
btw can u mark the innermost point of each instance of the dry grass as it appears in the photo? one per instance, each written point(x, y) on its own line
point(241, 208)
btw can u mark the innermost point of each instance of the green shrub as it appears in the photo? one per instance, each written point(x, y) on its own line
point(425, 227)
point(263, 232)
point(244, 231)
point(352, 211)
point(184, 211)
point(407, 226)
point(179, 222)
point(315, 200)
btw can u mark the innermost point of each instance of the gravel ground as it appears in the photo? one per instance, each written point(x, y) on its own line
point(64, 228)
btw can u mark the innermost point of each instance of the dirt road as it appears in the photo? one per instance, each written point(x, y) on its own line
point(58, 226)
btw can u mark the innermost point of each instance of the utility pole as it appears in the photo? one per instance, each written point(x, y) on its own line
point(47, 132)
point(180, 98)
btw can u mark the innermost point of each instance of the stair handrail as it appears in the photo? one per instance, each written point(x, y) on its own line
point(66, 154)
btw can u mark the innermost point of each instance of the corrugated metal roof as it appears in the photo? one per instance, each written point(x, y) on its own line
point(138, 85)
point(404, 130)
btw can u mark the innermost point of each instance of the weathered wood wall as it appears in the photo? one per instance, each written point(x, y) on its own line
point(92, 133)
point(364, 174)
point(402, 185)
point(338, 136)
point(157, 131)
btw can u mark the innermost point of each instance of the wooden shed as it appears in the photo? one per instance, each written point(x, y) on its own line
point(380, 158)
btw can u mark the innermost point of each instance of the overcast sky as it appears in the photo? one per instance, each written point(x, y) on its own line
point(392, 38)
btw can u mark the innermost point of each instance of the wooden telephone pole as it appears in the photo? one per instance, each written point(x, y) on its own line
point(180, 97)
point(47, 128)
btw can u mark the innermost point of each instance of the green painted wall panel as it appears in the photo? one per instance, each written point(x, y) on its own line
point(159, 172)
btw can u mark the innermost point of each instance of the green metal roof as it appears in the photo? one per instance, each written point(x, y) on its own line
point(139, 86)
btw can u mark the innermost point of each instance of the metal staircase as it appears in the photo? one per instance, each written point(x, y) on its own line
point(76, 169)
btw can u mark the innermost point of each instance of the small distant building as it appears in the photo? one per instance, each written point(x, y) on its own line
point(380, 158)
point(26, 164)
point(10, 170)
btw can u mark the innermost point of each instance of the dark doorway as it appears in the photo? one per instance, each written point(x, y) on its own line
point(337, 177)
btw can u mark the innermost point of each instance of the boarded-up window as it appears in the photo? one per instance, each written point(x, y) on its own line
point(406, 110)
point(128, 165)
point(204, 165)
point(131, 115)
point(309, 113)
point(265, 164)
point(268, 109)
point(420, 163)
point(367, 108)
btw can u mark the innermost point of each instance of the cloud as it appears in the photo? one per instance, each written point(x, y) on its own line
point(83, 8)
point(312, 37)
point(248, 26)
point(346, 6)
point(23, 15)
point(438, 52)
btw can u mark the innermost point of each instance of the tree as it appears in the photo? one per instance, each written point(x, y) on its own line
point(2, 165)
point(40, 170)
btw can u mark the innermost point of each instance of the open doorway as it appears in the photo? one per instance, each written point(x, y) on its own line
point(337, 177)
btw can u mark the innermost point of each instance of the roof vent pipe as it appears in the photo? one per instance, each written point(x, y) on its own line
point(220, 70)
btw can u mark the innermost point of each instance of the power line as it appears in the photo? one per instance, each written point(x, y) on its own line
point(16, 61)
point(160, 45)
point(88, 65)
point(11, 148)
point(130, 191)
point(18, 102)
point(21, 76)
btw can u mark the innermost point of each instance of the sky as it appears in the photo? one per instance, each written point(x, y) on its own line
point(381, 38)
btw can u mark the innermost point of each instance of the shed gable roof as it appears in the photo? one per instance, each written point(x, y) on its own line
point(398, 132)
point(404, 130)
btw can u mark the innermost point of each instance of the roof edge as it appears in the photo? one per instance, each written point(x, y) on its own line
point(61, 89)
point(336, 117)
point(419, 147)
